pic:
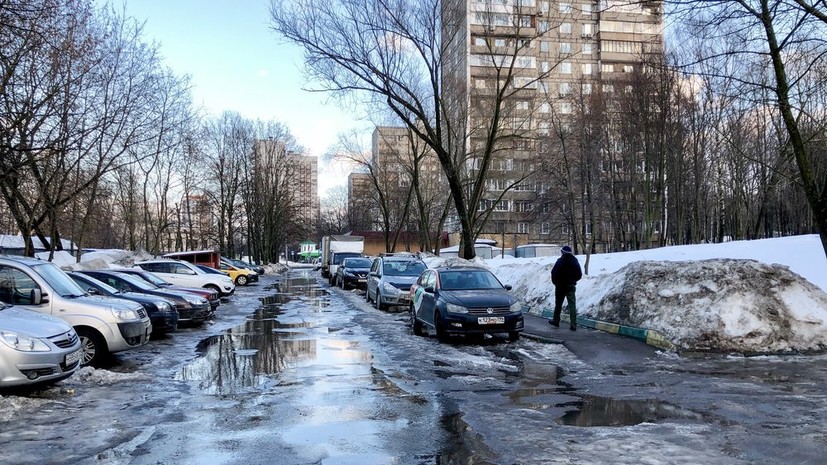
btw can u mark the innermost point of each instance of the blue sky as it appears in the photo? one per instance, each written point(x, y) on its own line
point(237, 63)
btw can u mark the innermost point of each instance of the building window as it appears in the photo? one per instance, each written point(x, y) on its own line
point(543, 128)
point(522, 105)
point(586, 8)
point(565, 28)
point(544, 67)
point(503, 206)
point(587, 49)
point(565, 8)
point(608, 88)
point(628, 69)
point(565, 47)
point(544, 228)
point(542, 26)
point(587, 68)
point(588, 30)
point(565, 68)
point(563, 89)
point(607, 68)
point(565, 108)
point(480, 41)
point(522, 228)
point(544, 46)
point(587, 88)
point(499, 42)
point(545, 107)
point(479, 83)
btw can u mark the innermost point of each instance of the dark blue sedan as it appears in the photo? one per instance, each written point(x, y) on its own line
point(464, 300)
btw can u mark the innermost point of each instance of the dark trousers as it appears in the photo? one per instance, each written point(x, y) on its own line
point(565, 293)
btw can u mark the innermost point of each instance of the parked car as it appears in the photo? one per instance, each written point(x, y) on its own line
point(161, 312)
point(105, 325)
point(241, 276)
point(210, 294)
point(183, 273)
point(464, 300)
point(35, 349)
point(242, 264)
point(191, 308)
point(390, 279)
point(353, 272)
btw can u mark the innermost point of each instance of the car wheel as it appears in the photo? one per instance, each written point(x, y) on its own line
point(367, 295)
point(378, 301)
point(214, 288)
point(241, 280)
point(93, 347)
point(416, 325)
point(513, 336)
point(441, 334)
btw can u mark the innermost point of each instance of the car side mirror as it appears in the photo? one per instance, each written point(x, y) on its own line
point(429, 289)
point(93, 291)
point(37, 297)
point(507, 287)
point(373, 273)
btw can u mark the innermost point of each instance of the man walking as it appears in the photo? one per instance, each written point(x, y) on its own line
point(564, 275)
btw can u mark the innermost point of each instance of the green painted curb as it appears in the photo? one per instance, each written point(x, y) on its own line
point(649, 336)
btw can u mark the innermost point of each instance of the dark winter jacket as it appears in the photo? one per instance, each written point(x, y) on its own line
point(566, 271)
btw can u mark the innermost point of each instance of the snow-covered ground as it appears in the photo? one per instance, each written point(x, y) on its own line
point(765, 296)
point(746, 296)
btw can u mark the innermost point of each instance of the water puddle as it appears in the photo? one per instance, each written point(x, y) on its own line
point(603, 411)
point(249, 356)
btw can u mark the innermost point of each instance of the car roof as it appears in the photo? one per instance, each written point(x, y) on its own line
point(460, 268)
point(22, 260)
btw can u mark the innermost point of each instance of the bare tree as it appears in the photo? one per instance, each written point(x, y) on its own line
point(787, 37)
point(396, 52)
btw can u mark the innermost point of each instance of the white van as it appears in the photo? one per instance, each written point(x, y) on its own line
point(105, 325)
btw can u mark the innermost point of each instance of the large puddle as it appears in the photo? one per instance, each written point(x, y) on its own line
point(249, 356)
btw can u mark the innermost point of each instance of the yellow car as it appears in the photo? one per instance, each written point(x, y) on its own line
point(240, 276)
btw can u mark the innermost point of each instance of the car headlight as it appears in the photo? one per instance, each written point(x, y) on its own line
point(164, 307)
point(124, 313)
point(388, 288)
point(515, 307)
point(194, 299)
point(456, 308)
point(349, 273)
point(23, 343)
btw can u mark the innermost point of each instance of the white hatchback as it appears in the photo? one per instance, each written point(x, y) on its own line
point(186, 274)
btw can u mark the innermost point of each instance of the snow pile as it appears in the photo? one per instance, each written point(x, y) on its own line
point(700, 297)
point(720, 305)
point(87, 374)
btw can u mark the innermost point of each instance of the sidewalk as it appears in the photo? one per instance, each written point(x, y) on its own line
point(537, 327)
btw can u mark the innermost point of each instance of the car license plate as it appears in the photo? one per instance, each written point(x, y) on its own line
point(73, 357)
point(363, 280)
point(491, 320)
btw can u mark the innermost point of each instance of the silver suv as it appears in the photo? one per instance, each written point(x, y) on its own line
point(390, 279)
point(104, 324)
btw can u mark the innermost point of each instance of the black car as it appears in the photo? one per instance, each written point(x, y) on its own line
point(191, 308)
point(242, 264)
point(353, 272)
point(210, 294)
point(161, 311)
point(464, 300)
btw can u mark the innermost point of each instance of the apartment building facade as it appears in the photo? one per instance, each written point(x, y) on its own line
point(300, 173)
point(564, 55)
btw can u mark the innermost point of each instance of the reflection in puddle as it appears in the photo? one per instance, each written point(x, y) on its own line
point(602, 411)
point(246, 357)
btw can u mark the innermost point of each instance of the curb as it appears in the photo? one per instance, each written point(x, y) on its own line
point(649, 336)
point(538, 338)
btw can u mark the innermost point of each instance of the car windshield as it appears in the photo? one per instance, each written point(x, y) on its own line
point(60, 281)
point(357, 263)
point(403, 268)
point(149, 277)
point(97, 283)
point(137, 282)
point(468, 279)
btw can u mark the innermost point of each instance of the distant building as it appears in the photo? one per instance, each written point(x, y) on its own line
point(360, 205)
point(300, 173)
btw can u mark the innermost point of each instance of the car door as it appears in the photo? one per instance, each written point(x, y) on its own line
point(373, 278)
point(428, 299)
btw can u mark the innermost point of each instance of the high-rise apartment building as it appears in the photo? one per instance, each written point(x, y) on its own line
point(564, 54)
point(299, 174)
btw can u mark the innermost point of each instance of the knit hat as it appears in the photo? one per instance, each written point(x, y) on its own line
point(566, 249)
